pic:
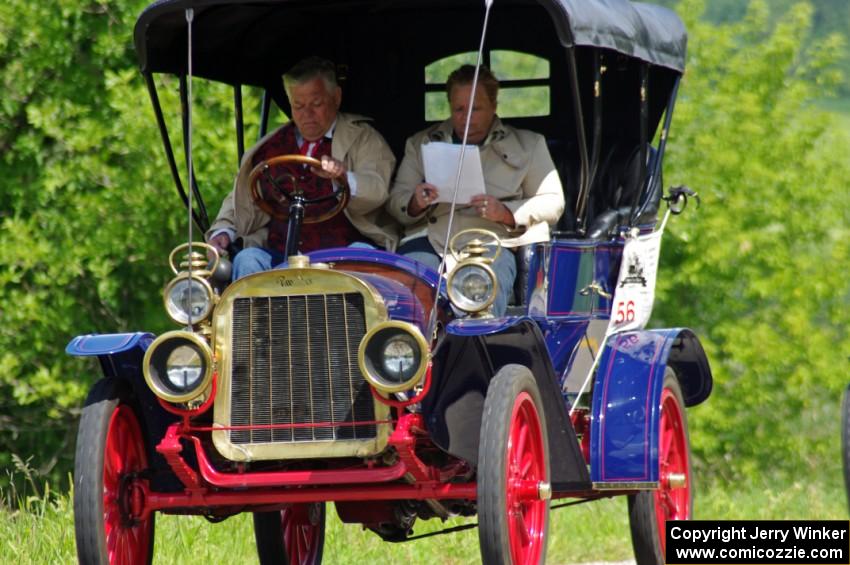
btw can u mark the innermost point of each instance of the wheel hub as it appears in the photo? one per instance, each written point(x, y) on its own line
point(676, 480)
point(531, 490)
point(131, 500)
point(544, 490)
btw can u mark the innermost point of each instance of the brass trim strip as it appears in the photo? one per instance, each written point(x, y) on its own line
point(309, 366)
point(328, 354)
point(251, 368)
point(270, 375)
point(289, 339)
point(625, 485)
point(348, 361)
point(302, 449)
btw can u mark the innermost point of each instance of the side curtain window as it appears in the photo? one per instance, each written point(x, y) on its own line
point(524, 83)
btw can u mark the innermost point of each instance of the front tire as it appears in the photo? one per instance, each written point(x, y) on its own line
point(292, 536)
point(513, 459)
point(110, 453)
point(649, 511)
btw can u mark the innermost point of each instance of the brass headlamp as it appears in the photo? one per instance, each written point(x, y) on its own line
point(472, 284)
point(393, 356)
point(178, 366)
point(189, 297)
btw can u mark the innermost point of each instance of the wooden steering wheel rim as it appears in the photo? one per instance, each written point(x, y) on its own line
point(268, 208)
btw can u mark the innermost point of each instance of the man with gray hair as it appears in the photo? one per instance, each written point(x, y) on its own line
point(352, 154)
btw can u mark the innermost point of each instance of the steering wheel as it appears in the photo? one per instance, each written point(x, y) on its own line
point(276, 199)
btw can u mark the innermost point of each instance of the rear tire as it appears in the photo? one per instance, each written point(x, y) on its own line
point(292, 536)
point(513, 450)
point(110, 450)
point(649, 511)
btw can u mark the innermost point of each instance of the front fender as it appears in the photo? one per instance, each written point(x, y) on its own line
point(467, 358)
point(121, 357)
point(627, 399)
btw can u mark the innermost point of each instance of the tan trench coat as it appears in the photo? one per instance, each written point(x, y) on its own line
point(518, 170)
point(365, 154)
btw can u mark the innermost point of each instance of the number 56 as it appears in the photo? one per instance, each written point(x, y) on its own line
point(625, 311)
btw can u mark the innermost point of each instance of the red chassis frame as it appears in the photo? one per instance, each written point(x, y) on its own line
point(215, 489)
point(211, 489)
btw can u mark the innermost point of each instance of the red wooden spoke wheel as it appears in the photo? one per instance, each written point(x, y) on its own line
point(297, 532)
point(513, 471)
point(127, 538)
point(673, 500)
point(108, 500)
point(526, 463)
point(302, 533)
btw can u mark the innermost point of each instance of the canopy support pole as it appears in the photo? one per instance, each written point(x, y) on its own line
point(598, 70)
point(441, 270)
point(643, 129)
point(204, 222)
point(584, 185)
point(264, 113)
point(240, 123)
point(166, 142)
point(655, 173)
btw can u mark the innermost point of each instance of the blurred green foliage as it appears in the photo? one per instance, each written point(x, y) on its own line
point(759, 268)
point(88, 215)
point(828, 17)
point(88, 212)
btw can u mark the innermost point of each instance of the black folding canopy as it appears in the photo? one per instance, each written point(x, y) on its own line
point(382, 46)
point(238, 36)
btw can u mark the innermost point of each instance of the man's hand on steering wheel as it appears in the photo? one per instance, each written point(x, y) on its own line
point(332, 169)
point(276, 203)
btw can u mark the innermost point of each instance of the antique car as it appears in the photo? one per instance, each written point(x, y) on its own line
point(358, 375)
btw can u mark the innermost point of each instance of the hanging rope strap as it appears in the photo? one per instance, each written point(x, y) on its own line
point(432, 321)
point(190, 16)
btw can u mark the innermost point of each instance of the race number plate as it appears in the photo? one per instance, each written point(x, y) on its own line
point(635, 290)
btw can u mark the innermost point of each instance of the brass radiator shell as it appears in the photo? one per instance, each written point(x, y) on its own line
point(285, 344)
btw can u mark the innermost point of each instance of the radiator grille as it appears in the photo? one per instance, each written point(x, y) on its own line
point(295, 362)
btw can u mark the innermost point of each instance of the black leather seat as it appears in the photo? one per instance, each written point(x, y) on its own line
point(618, 187)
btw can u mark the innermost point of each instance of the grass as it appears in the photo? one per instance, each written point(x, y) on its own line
point(40, 529)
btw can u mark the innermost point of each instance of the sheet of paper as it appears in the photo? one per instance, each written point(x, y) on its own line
point(440, 161)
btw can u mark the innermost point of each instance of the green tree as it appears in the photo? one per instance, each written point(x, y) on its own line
point(829, 16)
point(758, 268)
point(88, 212)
